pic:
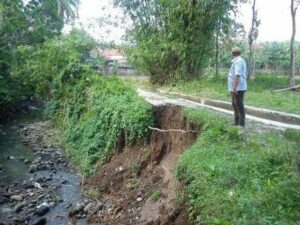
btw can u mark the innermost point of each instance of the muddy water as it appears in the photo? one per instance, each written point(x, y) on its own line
point(14, 172)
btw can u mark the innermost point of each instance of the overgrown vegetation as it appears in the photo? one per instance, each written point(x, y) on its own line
point(26, 24)
point(98, 114)
point(39, 63)
point(94, 111)
point(240, 178)
point(43, 69)
point(230, 177)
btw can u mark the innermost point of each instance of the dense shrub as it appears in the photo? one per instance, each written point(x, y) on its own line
point(96, 112)
point(39, 68)
point(240, 178)
point(26, 25)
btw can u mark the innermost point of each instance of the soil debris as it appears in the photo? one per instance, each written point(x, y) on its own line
point(137, 184)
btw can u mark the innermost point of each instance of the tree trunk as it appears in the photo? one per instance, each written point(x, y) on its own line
point(251, 40)
point(250, 62)
point(217, 50)
point(292, 46)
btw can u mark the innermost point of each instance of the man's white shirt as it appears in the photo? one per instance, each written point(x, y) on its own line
point(238, 68)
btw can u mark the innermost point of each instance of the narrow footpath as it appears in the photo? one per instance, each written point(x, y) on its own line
point(165, 98)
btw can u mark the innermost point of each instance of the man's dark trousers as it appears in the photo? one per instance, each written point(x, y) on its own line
point(239, 109)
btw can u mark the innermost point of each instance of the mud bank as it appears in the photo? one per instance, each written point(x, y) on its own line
point(138, 183)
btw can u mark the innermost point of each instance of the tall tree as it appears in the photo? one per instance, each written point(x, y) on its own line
point(294, 6)
point(272, 55)
point(252, 36)
point(227, 30)
point(46, 18)
point(12, 31)
point(174, 38)
point(217, 46)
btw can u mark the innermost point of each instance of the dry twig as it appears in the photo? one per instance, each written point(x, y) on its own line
point(174, 130)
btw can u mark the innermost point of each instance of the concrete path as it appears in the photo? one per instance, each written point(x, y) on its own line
point(268, 114)
point(159, 99)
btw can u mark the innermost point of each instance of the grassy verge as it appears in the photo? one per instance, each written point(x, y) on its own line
point(240, 178)
point(260, 94)
point(95, 112)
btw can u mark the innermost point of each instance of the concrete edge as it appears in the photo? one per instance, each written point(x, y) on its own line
point(254, 111)
point(157, 99)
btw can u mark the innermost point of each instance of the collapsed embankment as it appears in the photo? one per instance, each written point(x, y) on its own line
point(126, 165)
point(228, 176)
point(138, 183)
point(128, 155)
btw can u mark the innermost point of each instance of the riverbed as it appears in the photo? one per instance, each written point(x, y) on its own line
point(37, 185)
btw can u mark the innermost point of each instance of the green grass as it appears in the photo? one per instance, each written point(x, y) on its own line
point(234, 178)
point(260, 94)
point(155, 195)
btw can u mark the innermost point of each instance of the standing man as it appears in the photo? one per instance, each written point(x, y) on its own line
point(237, 85)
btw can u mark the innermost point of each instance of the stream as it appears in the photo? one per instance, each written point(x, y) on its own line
point(36, 184)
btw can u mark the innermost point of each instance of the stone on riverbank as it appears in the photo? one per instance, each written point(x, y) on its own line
point(20, 206)
point(32, 168)
point(42, 209)
point(16, 198)
point(75, 209)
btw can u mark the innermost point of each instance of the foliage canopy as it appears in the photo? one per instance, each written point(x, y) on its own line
point(26, 25)
point(173, 38)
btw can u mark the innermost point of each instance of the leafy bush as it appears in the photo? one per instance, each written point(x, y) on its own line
point(234, 178)
point(51, 109)
point(24, 27)
point(97, 113)
point(38, 66)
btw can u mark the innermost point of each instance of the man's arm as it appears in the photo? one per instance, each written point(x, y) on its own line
point(237, 76)
point(236, 83)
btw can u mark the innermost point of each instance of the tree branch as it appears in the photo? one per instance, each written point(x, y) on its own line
point(173, 130)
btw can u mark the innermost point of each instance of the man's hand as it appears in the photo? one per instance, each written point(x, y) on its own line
point(235, 85)
point(234, 91)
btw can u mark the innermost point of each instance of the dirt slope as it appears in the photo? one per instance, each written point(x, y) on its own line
point(138, 184)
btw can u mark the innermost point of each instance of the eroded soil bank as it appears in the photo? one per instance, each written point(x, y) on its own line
point(138, 184)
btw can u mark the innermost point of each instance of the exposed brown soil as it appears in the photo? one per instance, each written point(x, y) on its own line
point(138, 182)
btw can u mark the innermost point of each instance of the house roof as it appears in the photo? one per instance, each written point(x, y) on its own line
point(108, 53)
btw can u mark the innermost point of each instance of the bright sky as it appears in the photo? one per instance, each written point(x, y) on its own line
point(274, 15)
point(91, 10)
